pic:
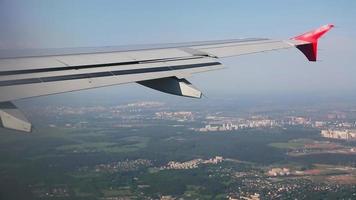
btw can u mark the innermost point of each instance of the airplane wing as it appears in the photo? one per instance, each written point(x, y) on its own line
point(161, 67)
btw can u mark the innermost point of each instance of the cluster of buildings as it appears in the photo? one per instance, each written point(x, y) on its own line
point(176, 116)
point(192, 163)
point(95, 110)
point(231, 124)
point(241, 124)
point(254, 196)
point(127, 165)
point(338, 125)
point(145, 104)
point(279, 172)
point(214, 123)
point(339, 134)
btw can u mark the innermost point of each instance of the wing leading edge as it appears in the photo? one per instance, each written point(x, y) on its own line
point(160, 67)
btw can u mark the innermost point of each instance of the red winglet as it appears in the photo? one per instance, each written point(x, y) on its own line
point(310, 49)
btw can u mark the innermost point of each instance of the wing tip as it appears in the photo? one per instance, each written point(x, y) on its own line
point(314, 35)
point(310, 39)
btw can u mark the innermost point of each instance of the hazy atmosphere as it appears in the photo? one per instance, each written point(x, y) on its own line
point(56, 24)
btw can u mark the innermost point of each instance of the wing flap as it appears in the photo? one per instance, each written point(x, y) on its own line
point(12, 118)
point(41, 85)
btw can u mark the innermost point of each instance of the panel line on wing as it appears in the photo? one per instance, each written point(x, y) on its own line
point(56, 69)
point(238, 45)
point(104, 74)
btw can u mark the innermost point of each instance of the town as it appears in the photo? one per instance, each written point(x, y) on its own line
point(333, 124)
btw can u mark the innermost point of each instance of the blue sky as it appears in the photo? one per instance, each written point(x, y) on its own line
point(80, 23)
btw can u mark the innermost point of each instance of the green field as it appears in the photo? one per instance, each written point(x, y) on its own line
point(125, 145)
point(292, 144)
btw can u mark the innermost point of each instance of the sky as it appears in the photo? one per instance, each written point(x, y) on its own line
point(31, 24)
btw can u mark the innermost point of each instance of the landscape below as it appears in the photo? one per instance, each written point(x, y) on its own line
point(148, 150)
